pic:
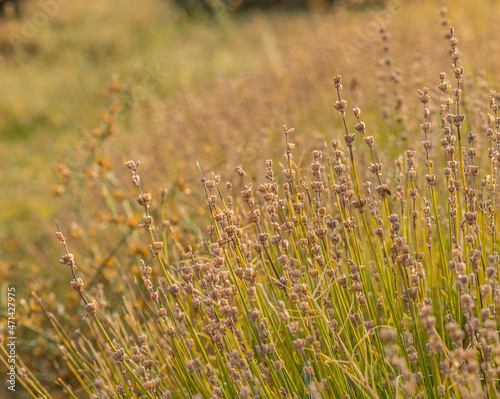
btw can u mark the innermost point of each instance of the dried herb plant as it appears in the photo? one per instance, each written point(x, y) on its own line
point(337, 280)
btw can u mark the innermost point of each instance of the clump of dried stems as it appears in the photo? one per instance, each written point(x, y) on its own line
point(353, 279)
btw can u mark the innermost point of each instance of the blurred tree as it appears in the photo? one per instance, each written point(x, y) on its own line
point(10, 8)
point(194, 6)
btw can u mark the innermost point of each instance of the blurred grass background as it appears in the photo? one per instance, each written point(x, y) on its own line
point(196, 85)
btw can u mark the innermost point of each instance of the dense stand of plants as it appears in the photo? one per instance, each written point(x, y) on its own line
point(351, 278)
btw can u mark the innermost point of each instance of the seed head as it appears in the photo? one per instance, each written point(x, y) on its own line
point(90, 310)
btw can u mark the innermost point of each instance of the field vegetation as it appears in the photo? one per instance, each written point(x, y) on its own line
point(270, 204)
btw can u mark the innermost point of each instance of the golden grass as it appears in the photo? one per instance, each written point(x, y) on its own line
point(217, 94)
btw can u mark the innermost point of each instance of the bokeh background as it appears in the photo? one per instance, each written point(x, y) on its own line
point(84, 86)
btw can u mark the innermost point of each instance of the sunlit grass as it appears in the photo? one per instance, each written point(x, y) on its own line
point(307, 262)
